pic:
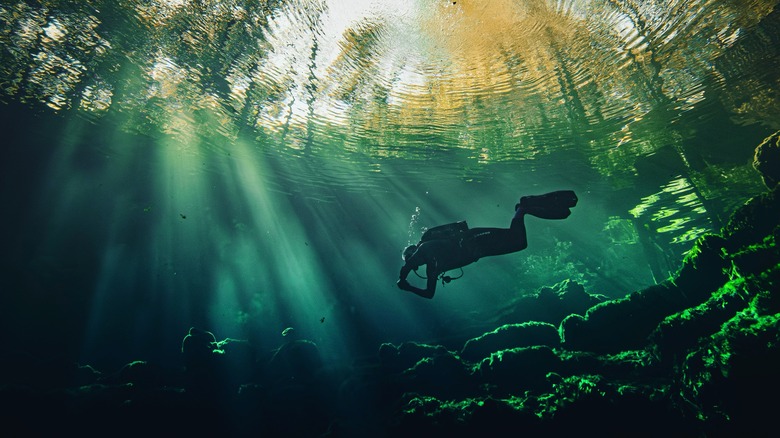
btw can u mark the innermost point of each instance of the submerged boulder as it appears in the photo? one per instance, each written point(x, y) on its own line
point(746, 247)
point(407, 354)
point(766, 160)
point(510, 336)
point(728, 376)
point(298, 360)
point(518, 370)
point(444, 376)
point(627, 323)
point(550, 304)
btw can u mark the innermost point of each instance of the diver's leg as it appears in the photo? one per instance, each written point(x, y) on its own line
point(497, 241)
point(517, 226)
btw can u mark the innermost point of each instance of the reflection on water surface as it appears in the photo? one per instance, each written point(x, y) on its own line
point(505, 80)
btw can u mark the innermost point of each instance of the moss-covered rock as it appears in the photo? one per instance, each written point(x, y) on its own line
point(510, 336)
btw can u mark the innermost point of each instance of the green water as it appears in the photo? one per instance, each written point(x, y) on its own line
point(248, 166)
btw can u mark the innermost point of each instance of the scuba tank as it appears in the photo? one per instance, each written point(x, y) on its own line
point(446, 231)
point(455, 230)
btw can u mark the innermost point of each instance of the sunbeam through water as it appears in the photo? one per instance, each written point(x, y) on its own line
point(255, 168)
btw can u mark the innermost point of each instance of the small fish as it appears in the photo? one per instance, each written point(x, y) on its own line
point(287, 331)
point(182, 216)
point(322, 319)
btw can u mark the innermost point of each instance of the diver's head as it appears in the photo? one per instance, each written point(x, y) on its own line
point(409, 251)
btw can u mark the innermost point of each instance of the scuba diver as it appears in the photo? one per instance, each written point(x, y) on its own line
point(455, 245)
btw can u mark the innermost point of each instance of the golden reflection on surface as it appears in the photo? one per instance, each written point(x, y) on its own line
point(504, 79)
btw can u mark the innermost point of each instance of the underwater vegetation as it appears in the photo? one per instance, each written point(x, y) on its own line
point(696, 355)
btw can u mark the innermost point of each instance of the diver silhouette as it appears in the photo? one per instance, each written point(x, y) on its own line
point(455, 245)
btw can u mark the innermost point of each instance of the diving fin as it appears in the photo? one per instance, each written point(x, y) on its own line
point(553, 205)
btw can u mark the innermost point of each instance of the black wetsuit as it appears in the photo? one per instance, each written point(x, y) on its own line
point(465, 247)
point(442, 255)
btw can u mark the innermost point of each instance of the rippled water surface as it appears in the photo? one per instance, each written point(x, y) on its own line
point(253, 165)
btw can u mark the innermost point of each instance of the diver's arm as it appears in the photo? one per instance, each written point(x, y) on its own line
point(425, 293)
point(412, 262)
point(405, 270)
point(432, 272)
point(430, 289)
point(403, 284)
point(428, 292)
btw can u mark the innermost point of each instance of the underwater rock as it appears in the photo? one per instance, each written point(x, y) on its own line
point(746, 246)
point(517, 370)
point(730, 374)
point(23, 369)
point(510, 336)
point(139, 373)
point(571, 405)
point(293, 409)
point(213, 366)
point(99, 409)
point(614, 408)
point(721, 348)
point(239, 363)
point(674, 337)
point(626, 323)
point(407, 354)
point(627, 366)
point(444, 375)
point(296, 360)
point(616, 325)
point(766, 160)
point(550, 304)
point(754, 221)
point(426, 416)
point(199, 348)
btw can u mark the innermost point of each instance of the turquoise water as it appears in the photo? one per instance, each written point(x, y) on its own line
point(247, 167)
